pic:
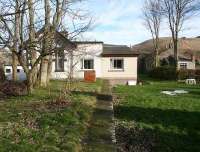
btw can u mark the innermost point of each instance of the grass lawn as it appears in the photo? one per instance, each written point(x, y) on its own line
point(36, 123)
point(174, 121)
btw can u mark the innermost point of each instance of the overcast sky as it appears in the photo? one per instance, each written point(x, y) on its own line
point(120, 22)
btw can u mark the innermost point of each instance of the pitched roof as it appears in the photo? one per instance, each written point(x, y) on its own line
point(117, 50)
point(87, 42)
point(60, 37)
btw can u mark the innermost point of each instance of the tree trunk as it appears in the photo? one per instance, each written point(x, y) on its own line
point(44, 62)
point(49, 70)
point(32, 44)
point(157, 44)
point(35, 71)
point(157, 60)
point(44, 71)
point(16, 41)
point(14, 67)
point(176, 58)
point(51, 41)
point(30, 83)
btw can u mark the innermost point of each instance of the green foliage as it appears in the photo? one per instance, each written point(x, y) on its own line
point(2, 74)
point(164, 73)
point(173, 120)
point(185, 74)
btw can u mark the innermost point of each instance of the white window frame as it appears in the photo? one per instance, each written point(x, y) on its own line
point(112, 64)
point(183, 65)
point(8, 71)
point(59, 58)
point(83, 64)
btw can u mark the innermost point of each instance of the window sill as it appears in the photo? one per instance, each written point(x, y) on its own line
point(116, 70)
point(59, 71)
point(87, 70)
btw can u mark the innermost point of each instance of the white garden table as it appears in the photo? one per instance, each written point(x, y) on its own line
point(191, 81)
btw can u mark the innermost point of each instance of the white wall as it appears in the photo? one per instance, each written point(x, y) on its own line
point(20, 75)
point(83, 51)
point(129, 72)
point(190, 65)
point(101, 64)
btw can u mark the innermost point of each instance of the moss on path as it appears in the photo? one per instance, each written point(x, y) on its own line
point(101, 129)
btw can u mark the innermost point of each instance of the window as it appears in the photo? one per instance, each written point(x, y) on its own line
point(8, 70)
point(88, 64)
point(183, 65)
point(18, 70)
point(117, 64)
point(59, 62)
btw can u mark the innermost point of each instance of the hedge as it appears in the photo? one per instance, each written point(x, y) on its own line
point(170, 73)
point(188, 74)
point(2, 75)
point(164, 73)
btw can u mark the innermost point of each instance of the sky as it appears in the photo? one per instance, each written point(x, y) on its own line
point(120, 22)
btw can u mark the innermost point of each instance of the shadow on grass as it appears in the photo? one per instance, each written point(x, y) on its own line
point(168, 117)
point(176, 130)
point(153, 140)
point(196, 93)
point(98, 95)
point(84, 93)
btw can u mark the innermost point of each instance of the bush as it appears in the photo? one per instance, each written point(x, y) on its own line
point(188, 74)
point(164, 73)
point(12, 88)
point(2, 75)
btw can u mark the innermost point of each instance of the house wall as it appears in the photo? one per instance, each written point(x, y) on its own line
point(101, 64)
point(20, 75)
point(129, 72)
point(190, 65)
point(83, 51)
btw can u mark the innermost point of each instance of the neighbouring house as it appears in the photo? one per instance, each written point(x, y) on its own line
point(6, 61)
point(189, 53)
point(117, 63)
point(187, 60)
point(186, 64)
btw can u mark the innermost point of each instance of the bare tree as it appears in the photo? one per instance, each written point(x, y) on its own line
point(14, 25)
point(75, 55)
point(45, 45)
point(32, 42)
point(177, 12)
point(19, 26)
point(152, 18)
point(62, 9)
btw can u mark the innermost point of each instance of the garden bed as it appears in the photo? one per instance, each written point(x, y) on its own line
point(44, 122)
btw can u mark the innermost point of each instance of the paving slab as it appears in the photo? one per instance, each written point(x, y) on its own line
point(101, 134)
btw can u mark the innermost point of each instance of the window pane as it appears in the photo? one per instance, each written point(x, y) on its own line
point(8, 70)
point(88, 64)
point(117, 63)
point(59, 61)
point(183, 66)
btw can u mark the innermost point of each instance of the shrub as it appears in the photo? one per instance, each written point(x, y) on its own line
point(188, 74)
point(2, 75)
point(12, 88)
point(164, 73)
